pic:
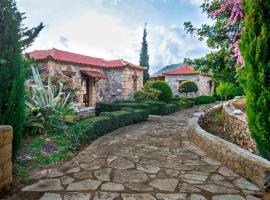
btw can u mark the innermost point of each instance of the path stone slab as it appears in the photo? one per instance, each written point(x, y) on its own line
point(121, 163)
point(106, 196)
point(184, 187)
point(137, 197)
point(139, 187)
point(129, 176)
point(88, 184)
point(217, 189)
point(82, 175)
point(65, 180)
point(73, 170)
point(110, 186)
point(197, 197)
point(53, 173)
point(77, 196)
point(245, 184)
point(45, 185)
point(227, 172)
point(228, 197)
point(148, 168)
point(51, 196)
point(103, 174)
point(164, 184)
point(194, 178)
point(175, 196)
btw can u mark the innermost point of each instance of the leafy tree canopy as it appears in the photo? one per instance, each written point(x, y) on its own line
point(221, 63)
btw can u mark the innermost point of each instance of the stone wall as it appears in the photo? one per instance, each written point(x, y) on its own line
point(119, 85)
point(240, 160)
point(202, 82)
point(6, 136)
point(237, 127)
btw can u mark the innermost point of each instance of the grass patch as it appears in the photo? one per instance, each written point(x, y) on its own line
point(38, 152)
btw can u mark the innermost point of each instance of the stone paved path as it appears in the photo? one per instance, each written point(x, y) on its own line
point(146, 161)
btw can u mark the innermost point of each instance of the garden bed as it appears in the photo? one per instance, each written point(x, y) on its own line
point(213, 122)
point(42, 152)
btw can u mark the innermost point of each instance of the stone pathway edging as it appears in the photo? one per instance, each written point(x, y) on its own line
point(152, 160)
point(243, 162)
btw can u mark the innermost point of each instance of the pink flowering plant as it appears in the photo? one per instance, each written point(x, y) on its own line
point(235, 9)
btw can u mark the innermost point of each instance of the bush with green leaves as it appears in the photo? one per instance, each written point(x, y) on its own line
point(165, 94)
point(47, 106)
point(119, 105)
point(187, 87)
point(82, 132)
point(225, 90)
point(255, 48)
point(146, 94)
point(205, 100)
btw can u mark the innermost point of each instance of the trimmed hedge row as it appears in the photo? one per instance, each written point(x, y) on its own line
point(115, 106)
point(205, 100)
point(89, 129)
point(161, 108)
point(154, 107)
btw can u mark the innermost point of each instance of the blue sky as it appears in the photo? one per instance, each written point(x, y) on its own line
point(112, 29)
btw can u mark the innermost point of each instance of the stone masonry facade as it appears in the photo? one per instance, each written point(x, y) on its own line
point(120, 83)
point(203, 82)
point(6, 136)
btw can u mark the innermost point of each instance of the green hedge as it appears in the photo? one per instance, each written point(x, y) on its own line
point(161, 108)
point(89, 129)
point(118, 105)
point(205, 100)
point(154, 107)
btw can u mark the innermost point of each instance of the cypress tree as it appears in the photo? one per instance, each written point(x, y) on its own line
point(255, 48)
point(144, 57)
point(13, 38)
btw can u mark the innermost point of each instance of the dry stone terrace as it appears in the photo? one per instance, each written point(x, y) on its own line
point(145, 161)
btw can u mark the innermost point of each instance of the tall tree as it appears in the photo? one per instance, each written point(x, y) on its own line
point(144, 57)
point(13, 38)
point(255, 49)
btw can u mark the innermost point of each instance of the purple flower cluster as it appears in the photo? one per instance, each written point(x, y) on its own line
point(237, 15)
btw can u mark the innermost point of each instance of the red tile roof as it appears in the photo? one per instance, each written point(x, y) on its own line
point(64, 56)
point(94, 74)
point(186, 70)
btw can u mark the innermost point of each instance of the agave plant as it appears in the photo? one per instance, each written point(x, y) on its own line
point(46, 105)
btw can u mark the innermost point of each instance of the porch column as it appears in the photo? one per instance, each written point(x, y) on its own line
point(125, 83)
point(92, 93)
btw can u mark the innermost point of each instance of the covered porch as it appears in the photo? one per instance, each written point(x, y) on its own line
point(89, 79)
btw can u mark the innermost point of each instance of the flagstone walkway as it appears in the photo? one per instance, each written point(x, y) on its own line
point(146, 161)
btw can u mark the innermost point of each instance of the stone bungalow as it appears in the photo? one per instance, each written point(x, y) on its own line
point(96, 78)
point(176, 76)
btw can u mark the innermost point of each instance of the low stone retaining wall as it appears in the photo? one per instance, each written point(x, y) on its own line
point(6, 136)
point(240, 160)
point(237, 127)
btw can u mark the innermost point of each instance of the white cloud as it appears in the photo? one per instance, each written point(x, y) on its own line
point(170, 45)
point(91, 31)
point(194, 2)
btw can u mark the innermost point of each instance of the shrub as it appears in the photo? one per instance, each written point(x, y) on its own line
point(146, 94)
point(161, 108)
point(255, 46)
point(225, 90)
point(165, 90)
point(46, 106)
point(114, 106)
point(106, 107)
point(187, 86)
point(82, 132)
point(205, 100)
